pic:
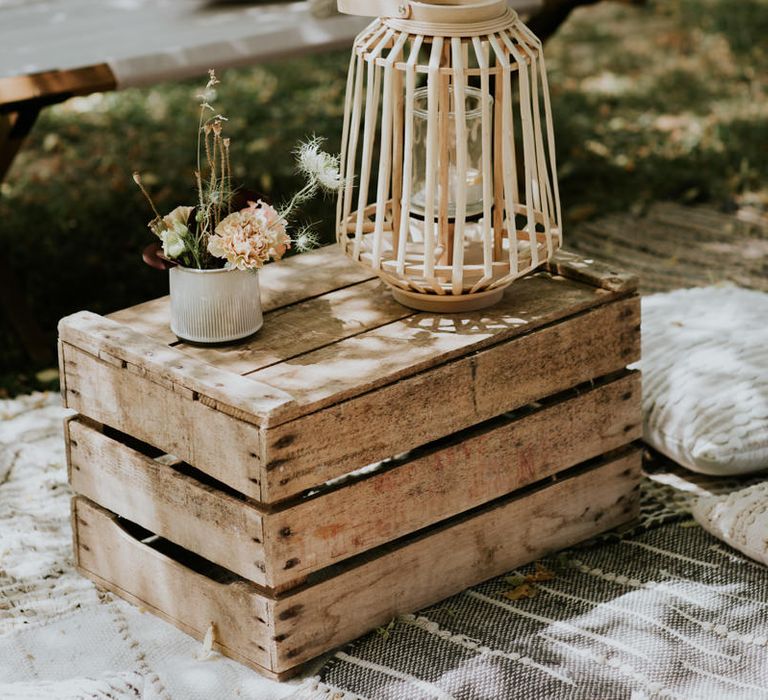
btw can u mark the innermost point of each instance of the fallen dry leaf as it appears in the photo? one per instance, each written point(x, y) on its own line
point(524, 590)
point(541, 573)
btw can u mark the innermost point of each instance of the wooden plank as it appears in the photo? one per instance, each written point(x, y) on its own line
point(411, 412)
point(215, 524)
point(151, 318)
point(224, 447)
point(53, 86)
point(461, 554)
point(283, 283)
point(449, 477)
point(187, 598)
point(303, 327)
point(384, 355)
point(469, 469)
point(591, 271)
point(284, 631)
point(98, 336)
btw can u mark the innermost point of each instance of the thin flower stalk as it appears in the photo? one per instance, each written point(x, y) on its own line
point(137, 180)
point(210, 234)
point(222, 177)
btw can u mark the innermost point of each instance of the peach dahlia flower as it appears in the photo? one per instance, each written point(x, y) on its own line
point(250, 237)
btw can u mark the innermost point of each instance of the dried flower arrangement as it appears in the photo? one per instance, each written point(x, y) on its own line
point(210, 235)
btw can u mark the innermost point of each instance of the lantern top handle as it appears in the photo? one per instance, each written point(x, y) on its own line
point(433, 11)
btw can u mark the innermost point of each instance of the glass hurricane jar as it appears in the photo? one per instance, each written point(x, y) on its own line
point(473, 176)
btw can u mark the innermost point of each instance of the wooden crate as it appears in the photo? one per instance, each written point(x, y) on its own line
point(230, 485)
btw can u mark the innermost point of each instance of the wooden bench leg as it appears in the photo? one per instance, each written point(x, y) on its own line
point(22, 97)
point(14, 128)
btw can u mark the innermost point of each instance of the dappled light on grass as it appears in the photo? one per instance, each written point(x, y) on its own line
point(663, 101)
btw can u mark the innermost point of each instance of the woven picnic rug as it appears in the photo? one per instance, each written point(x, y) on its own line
point(664, 610)
point(667, 612)
point(671, 246)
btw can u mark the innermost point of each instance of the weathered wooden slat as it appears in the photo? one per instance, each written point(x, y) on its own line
point(187, 598)
point(104, 337)
point(447, 478)
point(287, 282)
point(223, 528)
point(591, 271)
point(53, 86)
point(305, 452)
point(224, 447)
point(370, 360)
point(410, 574)
point(303, 327)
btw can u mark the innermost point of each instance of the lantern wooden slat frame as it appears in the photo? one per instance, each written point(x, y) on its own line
point(445, 255)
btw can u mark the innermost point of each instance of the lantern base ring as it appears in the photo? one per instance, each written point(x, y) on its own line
point(447, 303)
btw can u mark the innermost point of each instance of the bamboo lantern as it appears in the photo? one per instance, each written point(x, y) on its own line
point(447, 152)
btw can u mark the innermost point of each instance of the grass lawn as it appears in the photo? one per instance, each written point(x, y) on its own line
point(665, 101)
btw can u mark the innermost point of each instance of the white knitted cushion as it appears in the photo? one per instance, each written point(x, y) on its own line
point(705, 378)
point(739, 518)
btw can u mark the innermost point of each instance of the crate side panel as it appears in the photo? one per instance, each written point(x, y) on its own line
point(215, 443)
point(416, 410)
point(469, 470)
point(203, 519)
point(186, 598)
point(436, 566)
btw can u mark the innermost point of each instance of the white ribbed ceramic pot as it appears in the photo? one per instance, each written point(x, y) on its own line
point(214, 306)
